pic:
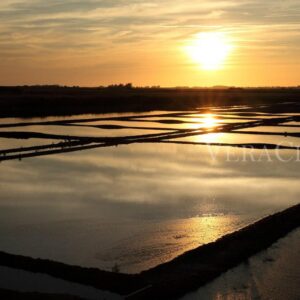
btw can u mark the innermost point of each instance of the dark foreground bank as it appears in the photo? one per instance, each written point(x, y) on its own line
point(199, 266)
point(270, 274)
point(14, 295)
point(36, 101)
point(179, 276)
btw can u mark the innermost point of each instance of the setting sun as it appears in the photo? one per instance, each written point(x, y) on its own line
point(210, 50)
point(148, 149)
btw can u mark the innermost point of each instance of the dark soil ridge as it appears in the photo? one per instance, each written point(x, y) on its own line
point(183, 274)
point(197, 267)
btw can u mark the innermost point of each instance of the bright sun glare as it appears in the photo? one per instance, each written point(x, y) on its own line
point(209, 121)
point(210, 50)
point(206, 121)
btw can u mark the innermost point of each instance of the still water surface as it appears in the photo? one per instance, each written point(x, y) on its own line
point(136, 205)
point(271, 274)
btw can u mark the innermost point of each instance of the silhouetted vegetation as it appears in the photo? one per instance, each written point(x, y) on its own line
point(27, 101)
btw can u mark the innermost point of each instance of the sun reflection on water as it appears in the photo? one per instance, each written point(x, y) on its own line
point(205, 121)
point(215, 137)
point(210, 121)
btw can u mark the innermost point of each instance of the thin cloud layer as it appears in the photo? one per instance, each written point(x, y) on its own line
point(140, 33)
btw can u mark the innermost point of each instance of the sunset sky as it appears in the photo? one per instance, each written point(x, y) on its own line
point(165, 42)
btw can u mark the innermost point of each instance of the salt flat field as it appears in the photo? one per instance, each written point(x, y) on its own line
point(86, 193)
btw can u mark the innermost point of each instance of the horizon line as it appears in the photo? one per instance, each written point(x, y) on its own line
point(131, 86)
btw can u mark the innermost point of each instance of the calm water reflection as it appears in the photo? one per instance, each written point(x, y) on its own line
point(135, 205)
point(271, 274)
point(238, 138)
